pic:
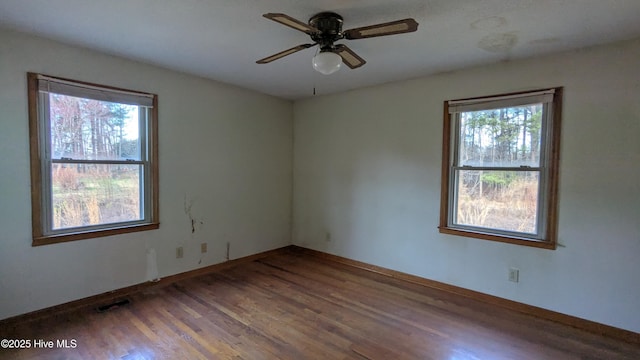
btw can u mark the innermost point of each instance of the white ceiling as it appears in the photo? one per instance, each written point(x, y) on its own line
point(222, 39)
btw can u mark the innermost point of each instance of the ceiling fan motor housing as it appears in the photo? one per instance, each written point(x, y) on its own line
point(330, 26)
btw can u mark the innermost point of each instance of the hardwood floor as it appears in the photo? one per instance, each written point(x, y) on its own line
point(293, 305)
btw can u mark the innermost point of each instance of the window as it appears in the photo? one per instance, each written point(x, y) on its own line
point(500, 167)
point(93, 160)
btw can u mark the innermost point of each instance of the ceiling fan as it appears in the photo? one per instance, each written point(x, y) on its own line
point(325, 29)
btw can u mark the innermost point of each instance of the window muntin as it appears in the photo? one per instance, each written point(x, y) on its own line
point(500, 167)
point(94, 151)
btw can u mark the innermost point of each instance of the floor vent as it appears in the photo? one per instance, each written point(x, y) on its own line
point(112, 306)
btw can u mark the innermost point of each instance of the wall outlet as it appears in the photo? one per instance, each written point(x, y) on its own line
point(179, 253)
point(514, 275)
point(203, 247)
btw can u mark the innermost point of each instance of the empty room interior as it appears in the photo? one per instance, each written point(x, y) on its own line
point(420, 179)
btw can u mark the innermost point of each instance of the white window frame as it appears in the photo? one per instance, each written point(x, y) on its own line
point(544, 235)
point(40, 86)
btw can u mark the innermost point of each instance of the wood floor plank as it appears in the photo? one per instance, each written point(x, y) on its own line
point(292, 305)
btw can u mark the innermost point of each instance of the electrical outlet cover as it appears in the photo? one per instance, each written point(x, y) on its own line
point(514, 275)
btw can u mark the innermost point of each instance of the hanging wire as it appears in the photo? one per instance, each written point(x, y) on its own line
point(314, 75)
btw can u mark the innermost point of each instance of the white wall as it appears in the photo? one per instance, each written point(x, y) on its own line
point(367, 167)
point(225, 150)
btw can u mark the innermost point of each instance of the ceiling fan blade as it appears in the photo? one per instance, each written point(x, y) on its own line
point(292, 23)
point(350, 58)
point(282, 54)
point(390, 28)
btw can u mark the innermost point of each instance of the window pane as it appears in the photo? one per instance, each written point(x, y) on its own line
point(508, 137)
point(89, 194)
point(503, 200)
point(86, 129)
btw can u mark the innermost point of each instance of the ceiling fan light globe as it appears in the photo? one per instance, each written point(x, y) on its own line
point(327, 62)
